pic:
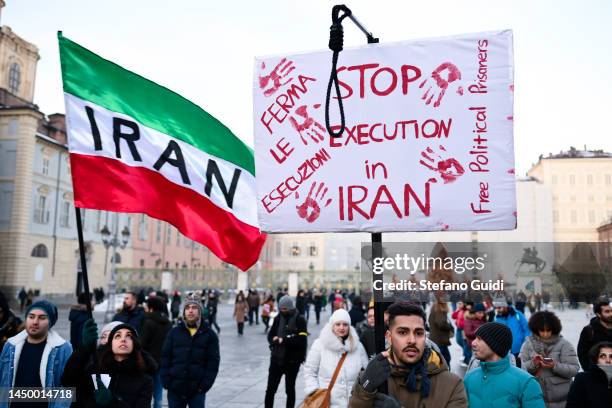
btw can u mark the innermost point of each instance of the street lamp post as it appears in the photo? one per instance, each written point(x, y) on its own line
point(112, 241)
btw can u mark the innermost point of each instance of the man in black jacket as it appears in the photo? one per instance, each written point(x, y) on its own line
point(190, 358)
point(131, 313)
point(599, 329)
point(288, 341)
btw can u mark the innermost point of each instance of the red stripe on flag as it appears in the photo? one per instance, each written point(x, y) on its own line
point(107, 184)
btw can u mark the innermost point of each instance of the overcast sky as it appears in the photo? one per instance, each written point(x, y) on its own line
point(204, 50)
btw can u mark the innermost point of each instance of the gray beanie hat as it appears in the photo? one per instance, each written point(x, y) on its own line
point(286, 302)
point(193, 299)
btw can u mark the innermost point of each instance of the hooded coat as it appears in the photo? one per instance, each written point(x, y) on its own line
point(446, 389)
point(591, 334)
point(323, 358)
point(499, 384)
point(555, 382)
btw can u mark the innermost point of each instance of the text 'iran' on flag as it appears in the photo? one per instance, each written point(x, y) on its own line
point(138, 147)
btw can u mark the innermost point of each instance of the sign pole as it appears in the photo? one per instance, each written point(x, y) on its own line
point(379, 307)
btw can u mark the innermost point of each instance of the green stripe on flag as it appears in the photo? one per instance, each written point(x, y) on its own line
point(91, 77)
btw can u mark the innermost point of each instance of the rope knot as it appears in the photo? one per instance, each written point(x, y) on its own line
point(336, 37)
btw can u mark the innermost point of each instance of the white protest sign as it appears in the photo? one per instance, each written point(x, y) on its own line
point(428, 143)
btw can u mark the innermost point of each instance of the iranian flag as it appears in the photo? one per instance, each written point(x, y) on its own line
point(138, 147)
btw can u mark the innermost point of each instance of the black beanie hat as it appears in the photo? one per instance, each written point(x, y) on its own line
point(497, 336)
point(131, 329)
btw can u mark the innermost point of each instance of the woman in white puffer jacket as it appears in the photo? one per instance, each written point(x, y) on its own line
point(337, 337)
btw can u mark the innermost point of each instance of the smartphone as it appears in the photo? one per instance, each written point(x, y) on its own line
point(547, 360)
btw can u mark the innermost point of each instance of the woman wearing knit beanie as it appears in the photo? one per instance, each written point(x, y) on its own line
point(337, 338)
point(550, 358)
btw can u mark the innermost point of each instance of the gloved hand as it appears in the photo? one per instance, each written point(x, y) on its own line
point(386, 401)
point(89, 335)
point(102, 395)
point(376, 373)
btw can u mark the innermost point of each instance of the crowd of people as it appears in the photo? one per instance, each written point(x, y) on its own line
point(171, 342)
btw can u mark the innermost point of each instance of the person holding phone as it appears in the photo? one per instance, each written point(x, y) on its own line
point(550, 358)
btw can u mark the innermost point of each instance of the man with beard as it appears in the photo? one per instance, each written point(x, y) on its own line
point(599, 329)
point(190, 358)
point(288, 341)
point(516, 322)
point(131, 313)
point(35, 357)
point(496, 383)
point(415, 374)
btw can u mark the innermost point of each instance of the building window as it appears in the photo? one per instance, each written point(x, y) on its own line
point(312, 250)
point(178, 238)
point(572, 180)
point(573, 198)
point(158, 233)
point(168, 235)
point(554, 179)
point(295, 249)
point(573, 217)
point(65, 215)
point(608, 179)
point(590, 179)
point(41, 214)
point(45, 166)
point(142, 263)
point(591, 216)
point(277, 249)
point(591, 198)
point(39, 251)
point(14, 77)
point(142, 227)
point(556, 216)
point(98, 220)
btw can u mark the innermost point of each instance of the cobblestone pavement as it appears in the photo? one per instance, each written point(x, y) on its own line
point(243, 373)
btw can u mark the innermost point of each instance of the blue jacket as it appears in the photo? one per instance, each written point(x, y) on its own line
point(500, 385)
point(189, 364)
point(518, 325)
point(54, 358)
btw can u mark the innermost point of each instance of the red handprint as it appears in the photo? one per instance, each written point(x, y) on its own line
point(308, 126)
point(449, 169)
point(310, 208)
point(451, 72)
point(271, 82)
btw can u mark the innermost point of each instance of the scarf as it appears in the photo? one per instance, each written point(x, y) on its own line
point(542, 346)
point(607, 369)
point(418, 369)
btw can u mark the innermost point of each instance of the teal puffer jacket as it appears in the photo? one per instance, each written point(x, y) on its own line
point(500, 385)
